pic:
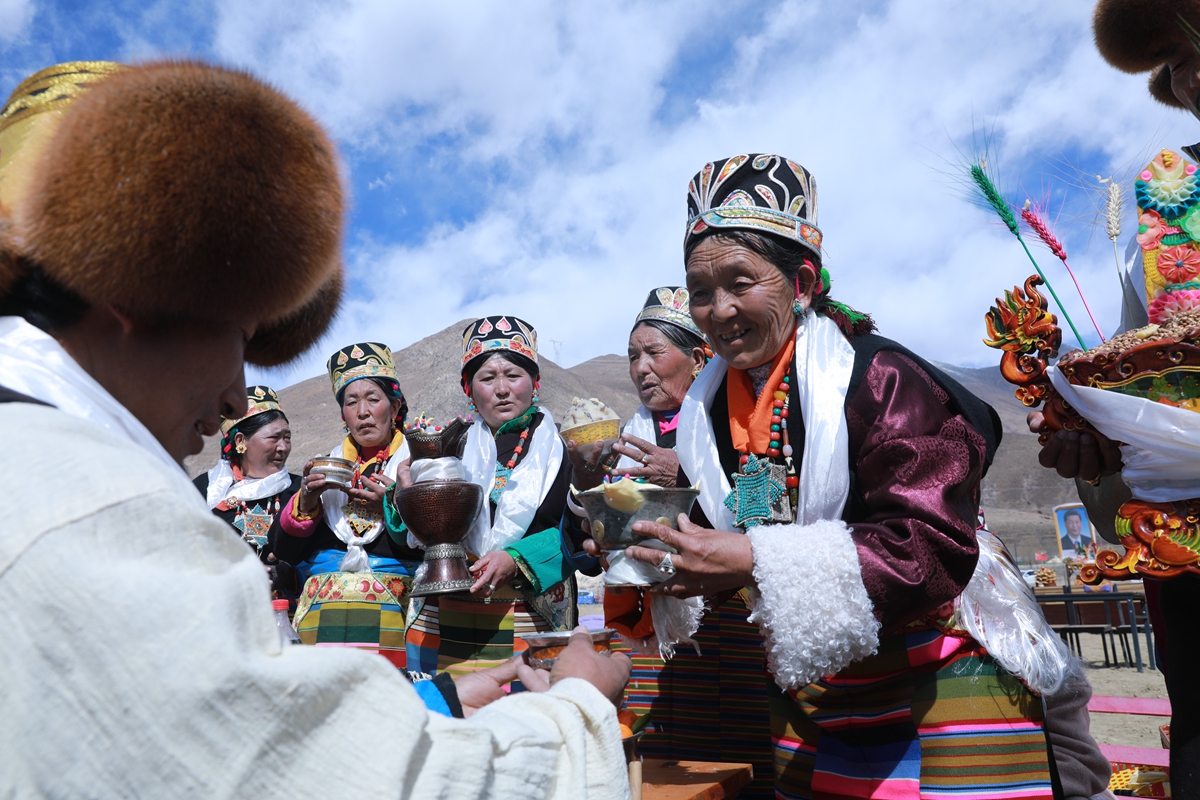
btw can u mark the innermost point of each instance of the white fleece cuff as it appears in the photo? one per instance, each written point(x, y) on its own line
point(811, 603)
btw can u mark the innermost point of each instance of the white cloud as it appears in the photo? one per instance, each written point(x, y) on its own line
point(14, 17)
point(579, 206)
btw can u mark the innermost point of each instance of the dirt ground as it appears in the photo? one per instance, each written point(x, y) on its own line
point(1123, 681)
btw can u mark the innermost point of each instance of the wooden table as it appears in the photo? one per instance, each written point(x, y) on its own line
point(693, 780)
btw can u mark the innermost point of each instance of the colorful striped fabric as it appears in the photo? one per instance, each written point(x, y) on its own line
point(711, 707)
point(459, 633)
point(931, 715)
point(355, 609)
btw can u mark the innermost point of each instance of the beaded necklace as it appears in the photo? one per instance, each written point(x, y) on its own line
point(502, 473)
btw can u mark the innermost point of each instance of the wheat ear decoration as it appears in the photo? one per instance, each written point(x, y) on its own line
point(992, 195)
point(1114, 206)
point(1038, 224)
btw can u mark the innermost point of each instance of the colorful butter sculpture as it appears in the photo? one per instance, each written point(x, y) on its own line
point(1168, 201)
point(1159, 365)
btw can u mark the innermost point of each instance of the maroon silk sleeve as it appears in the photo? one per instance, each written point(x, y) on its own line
point(915, 494)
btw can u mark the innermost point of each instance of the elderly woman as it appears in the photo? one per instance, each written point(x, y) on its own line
point(522, 582)
point(666, 353)
point(356, 577)
point(828, 457)
point(250, 483)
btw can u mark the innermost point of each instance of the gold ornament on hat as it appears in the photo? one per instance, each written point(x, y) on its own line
point(259, 399)
point(362, 360)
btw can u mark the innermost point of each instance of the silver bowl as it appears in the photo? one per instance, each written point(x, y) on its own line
point(544, 647)
point(613, 529)
point(337, 471)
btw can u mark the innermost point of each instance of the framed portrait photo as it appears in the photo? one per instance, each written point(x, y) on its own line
point(1076, 536)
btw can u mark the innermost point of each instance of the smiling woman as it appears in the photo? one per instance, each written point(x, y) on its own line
point(249, 484)
point(826, 455)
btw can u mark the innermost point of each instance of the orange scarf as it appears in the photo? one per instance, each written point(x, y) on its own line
point(750, 419)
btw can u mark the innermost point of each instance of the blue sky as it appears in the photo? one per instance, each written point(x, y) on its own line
point(532, 158)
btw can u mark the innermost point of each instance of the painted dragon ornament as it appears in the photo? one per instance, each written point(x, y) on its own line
point(1156, 364)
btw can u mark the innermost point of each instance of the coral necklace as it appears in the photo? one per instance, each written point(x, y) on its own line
point(503, 473)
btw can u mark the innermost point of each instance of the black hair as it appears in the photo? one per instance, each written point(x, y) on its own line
point(390, 389)
point(42, 301)
point(1072, 513)
point(685, 340)
point(521, 361)
point(248, 427)
point(789, 256)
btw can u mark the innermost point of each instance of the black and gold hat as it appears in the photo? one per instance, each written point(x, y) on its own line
point(259, 399)
point(362, 360)
point(759, 192)
point(670, 304)
point(499, 334)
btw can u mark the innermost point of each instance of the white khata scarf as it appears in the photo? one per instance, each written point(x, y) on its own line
point(33, 363)
point(332, 503)
point(222, 487)
point(824, 364)
point(527, 487)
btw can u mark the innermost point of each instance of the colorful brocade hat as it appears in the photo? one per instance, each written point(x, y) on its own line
point(499, 334)
point(1167, 193)
point(362, 360)
point(758, 192)
point(259, 399)
point(670, 304)
point(31, 116)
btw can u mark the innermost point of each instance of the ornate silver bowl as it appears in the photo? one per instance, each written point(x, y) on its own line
point(612, 527)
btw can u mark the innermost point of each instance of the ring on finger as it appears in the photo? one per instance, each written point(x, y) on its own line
point(666, 566)
point(646, 460)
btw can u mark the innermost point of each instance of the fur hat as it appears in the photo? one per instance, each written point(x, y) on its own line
point(1139, 35)
point(179, 188)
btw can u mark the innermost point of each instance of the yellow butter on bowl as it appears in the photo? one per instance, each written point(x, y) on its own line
point(626, 496)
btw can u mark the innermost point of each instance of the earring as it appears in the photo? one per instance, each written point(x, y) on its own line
point(240, 447)
point(471, 405)
point(797, 307)
point(696, 372)
point(537, 385)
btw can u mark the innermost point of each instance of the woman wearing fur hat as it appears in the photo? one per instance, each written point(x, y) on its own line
point(128, 605)
point(250, 483)
point(335, 537)
point(522, 582)
point(1161, 37)
point(829, 457)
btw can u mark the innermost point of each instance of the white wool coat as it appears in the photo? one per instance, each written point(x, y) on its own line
point(139, 658)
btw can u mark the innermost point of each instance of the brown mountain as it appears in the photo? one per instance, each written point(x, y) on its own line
point(1017, 493)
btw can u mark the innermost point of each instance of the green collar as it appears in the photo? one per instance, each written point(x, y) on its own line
point(520, 423)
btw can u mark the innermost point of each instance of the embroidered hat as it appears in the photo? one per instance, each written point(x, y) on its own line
point(1140, 35)
point(669, 304)
point(165, 183)
point(363, 360)
point(757, 192)
point(259, 399)
point(31, 116)
point(489, 335)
